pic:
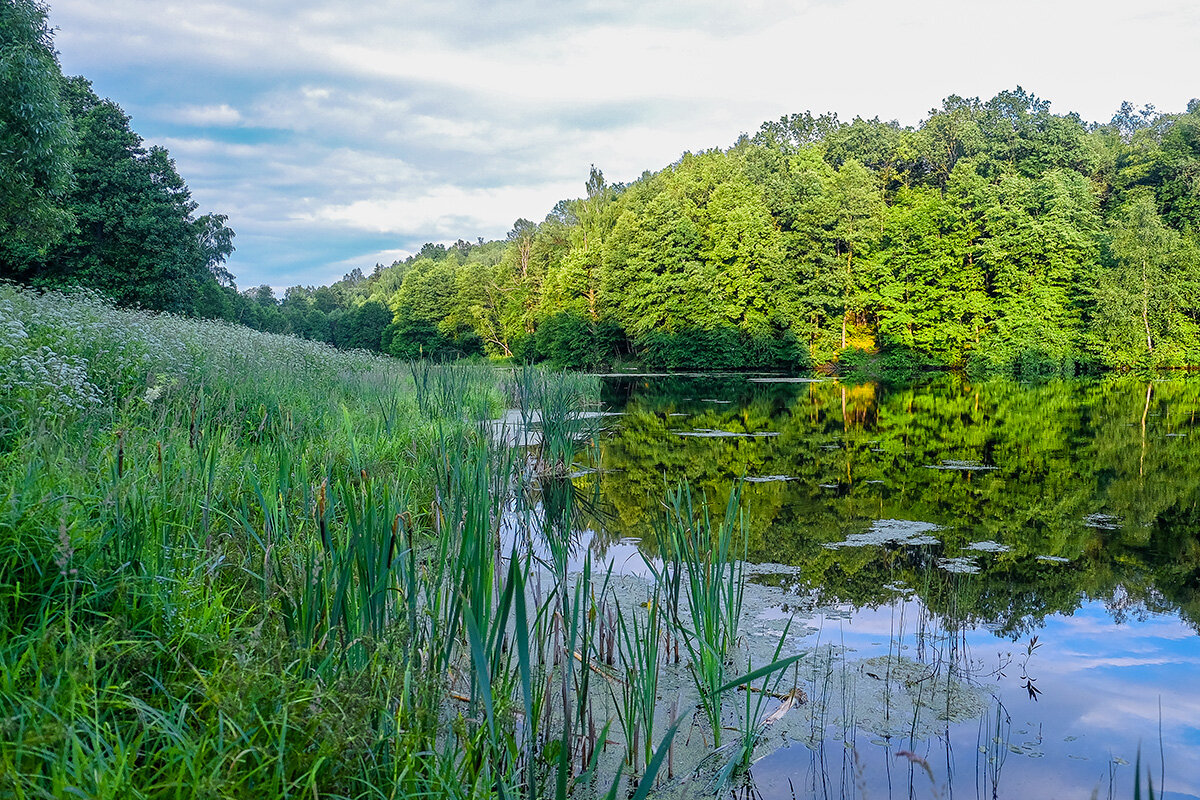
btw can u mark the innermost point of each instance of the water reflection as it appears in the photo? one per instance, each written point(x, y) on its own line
point(937, 530)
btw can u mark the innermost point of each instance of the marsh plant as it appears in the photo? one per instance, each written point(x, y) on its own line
point(241, 565)
point(704, 581)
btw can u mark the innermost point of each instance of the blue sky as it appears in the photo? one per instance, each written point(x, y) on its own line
point(338, 134)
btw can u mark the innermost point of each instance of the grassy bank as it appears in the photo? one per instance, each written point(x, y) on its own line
point(241, 565)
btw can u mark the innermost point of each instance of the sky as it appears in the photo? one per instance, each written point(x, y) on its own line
point(339, 134)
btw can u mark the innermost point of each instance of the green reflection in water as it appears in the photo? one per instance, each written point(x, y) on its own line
point(1076, 490)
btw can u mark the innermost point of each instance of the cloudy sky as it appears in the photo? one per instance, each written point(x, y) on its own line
point(338, 134)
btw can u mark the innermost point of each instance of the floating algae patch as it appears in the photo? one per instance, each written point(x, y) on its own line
point(716, 433)
point(964, 565)
point(954, 465)
point(989, 547)
point(1104, 522)
point(888, 697)
point(890, 531)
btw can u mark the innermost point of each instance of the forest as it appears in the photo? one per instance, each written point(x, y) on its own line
point(996, 236)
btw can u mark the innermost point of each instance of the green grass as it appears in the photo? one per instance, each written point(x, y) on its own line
point(237, 565)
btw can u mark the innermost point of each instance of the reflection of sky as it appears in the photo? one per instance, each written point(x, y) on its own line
point(1106, 687)
point(1106, 690)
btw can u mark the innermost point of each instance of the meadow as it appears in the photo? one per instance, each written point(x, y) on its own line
point(236, 564)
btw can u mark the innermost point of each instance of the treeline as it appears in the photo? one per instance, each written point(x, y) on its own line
point(996, 235)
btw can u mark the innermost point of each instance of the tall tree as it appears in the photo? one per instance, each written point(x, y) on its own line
point(1148, 294)
point(928, 292)
point(216, 245)
point(136, 239)
point(858, 226)
point(35, 140)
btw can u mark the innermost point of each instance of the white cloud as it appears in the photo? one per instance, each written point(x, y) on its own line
point(222, 115)
point(445, 210)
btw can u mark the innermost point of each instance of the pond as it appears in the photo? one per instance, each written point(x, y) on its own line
point(996, 586)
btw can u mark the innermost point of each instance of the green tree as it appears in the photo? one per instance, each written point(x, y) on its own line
point(928, 293)
point(363, 327)
point(1037, 244)
point(36, 140)
point(576, 283)
point(136, 239)
point(1177, 173)
point(216, 245)
point(858, 225)
point(1148, 292)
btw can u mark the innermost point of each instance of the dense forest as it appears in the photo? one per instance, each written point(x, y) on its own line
point(996, 236)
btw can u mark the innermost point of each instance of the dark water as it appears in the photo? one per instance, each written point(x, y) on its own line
point(1001, 581)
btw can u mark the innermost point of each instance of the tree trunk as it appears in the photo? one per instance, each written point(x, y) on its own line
point(1146, 309)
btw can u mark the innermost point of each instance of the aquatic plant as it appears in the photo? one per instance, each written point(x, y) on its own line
point(698, 557)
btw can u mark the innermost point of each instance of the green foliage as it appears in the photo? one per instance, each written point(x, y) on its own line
point(135, 238)
point(36, 139)
point(571, 340)
point(1148, 292)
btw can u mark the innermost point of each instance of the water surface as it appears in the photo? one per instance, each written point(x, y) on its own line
point(1001, 582)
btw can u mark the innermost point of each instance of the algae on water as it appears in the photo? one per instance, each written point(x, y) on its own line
point(890, 531)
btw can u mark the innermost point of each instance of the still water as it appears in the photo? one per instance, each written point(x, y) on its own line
point(996, 586)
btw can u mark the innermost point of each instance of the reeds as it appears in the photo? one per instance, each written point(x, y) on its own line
point(238, 565)
point(641, 643)
point(700, 569)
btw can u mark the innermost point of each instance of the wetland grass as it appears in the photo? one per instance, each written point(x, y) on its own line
point(238, 565)
point(699, 568)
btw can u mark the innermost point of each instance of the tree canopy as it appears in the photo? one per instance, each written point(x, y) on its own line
point(996, 235)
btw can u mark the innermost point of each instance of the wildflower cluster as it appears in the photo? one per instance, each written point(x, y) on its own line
point(62, 354)
point(36, 375)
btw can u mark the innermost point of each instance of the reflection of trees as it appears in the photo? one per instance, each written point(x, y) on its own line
point(857, 454)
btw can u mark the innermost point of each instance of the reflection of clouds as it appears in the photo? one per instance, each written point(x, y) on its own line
point(1110, 703)
point(1118, 709)
point(1076, 662)
point(1095, 620)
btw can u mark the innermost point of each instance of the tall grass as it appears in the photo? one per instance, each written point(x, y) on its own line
point(700, 559)
point(242, 565)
